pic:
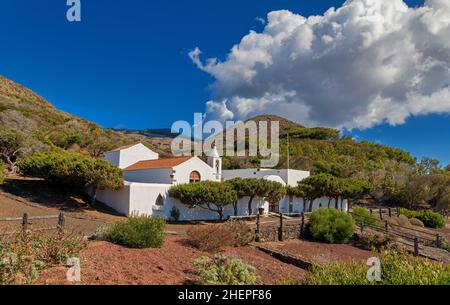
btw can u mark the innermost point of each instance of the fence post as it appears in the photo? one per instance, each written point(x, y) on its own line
point(398, 212)
point(416, 246)
point(371, 212)
point(438, 241)
point(280, 229)
point(61, 221)
point(381, 213)
point(302, 226)
point(25, 222)
point(258, 224)
point(390, 212)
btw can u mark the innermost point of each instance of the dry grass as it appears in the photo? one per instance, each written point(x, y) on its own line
point(210, 238)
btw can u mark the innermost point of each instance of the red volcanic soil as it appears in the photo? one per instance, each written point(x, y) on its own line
point(104, 263)
point(320, 253)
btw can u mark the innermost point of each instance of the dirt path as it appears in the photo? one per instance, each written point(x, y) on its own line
point(105, 263)
point(30, 196)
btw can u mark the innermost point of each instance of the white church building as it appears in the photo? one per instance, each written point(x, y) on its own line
point(148, 179)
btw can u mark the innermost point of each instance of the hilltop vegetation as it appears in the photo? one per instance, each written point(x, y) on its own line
point(395, 176)
point(40, 125)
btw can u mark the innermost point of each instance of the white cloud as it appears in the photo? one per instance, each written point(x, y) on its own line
point(261, 20)
point(365, 63)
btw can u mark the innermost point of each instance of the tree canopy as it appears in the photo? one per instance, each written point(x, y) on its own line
point(275, 192)
point(325, 185)
point(73, 171)
point(251, 188)
point(318, 133)
point(209, 195)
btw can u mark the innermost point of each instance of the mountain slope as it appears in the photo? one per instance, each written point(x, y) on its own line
point(41, 124)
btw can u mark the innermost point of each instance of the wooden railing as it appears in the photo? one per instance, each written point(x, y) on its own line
point(393, 230)
point(27, 222)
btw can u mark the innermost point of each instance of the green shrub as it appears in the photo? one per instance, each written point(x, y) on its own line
point(73, 171)
point(397, 268)
point(361, 214)
point(243, 233)
point(137, 232)
point(210, 238)
point(429, 218)
point(331, 226)
point(221, 270)
point(2, 172)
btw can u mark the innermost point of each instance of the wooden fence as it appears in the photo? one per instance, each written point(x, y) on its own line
point(287, 226)
point(28, 221)
point(293, 226)
point(408, 236)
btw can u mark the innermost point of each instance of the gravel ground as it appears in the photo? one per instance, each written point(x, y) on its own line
point(105, 264)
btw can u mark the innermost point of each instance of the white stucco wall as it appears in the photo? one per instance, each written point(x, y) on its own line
point(183, 171)
point(143, 199)
point(113, 157)
point(140, 199)
point(299, 206)
point(187, 214)
point(290, 177)
point(295, 176)
point(117, 200)
point(129, 156)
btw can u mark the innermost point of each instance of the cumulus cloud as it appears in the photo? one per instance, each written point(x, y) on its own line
point(365, 63)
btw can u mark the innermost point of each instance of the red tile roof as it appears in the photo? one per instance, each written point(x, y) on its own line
point(161, 163)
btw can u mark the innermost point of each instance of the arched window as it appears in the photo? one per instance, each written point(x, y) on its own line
point(160, 200)
point(195, 177)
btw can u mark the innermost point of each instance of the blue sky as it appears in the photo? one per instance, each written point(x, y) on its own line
point(126, 64)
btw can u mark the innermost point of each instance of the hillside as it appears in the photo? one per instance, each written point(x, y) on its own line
point(309, 148)
point(319, 149)
point(42, 124)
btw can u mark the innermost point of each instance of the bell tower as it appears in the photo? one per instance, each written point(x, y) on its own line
point(215, 161)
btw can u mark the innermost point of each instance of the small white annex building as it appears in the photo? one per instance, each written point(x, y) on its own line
point(148, 179)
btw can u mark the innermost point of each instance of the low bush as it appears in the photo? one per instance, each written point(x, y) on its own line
point(221, 270)
point(397, 268)
point(137, 232)
point(445, 244)
point(210, 238)
point(242, 232)
point(2, 172)
point(429, 218)
point(23, 254)
point(373, 242)
point(361, 214)
point(331, 226)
